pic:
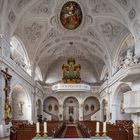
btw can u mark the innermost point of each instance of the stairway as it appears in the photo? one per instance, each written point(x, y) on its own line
point(71, 132)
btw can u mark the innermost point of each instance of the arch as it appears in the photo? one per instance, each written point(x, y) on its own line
point(71, 109)
point(90, 106)
point(19, 84)
point(21, 109)
point(121, 88)
point(49, 108)
point(118, 100)
point(19, 54)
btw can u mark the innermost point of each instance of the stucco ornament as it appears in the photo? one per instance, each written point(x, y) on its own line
point(110, 30)
point(33, 32)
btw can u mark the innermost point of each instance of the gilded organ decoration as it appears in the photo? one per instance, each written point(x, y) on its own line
point(71, 72)
point(71, 15)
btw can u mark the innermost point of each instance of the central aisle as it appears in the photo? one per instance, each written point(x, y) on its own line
point(72, 132)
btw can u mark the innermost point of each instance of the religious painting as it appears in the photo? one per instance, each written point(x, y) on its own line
point(50, 107)
point(71, 15)
point(86, 107)
point(56, 108)
point(92, 107)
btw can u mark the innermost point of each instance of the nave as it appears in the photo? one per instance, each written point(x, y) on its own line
point(70, 62)
point(121, 130)
point(83, 129)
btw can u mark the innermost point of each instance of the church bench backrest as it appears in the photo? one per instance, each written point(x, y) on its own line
point(29, 131)
point(116, 132)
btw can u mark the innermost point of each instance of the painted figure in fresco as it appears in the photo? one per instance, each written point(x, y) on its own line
point(71, 15)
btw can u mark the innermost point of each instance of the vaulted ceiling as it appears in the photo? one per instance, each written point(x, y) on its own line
point(94, 44)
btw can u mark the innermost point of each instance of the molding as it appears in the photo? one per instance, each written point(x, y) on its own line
point(71, 87)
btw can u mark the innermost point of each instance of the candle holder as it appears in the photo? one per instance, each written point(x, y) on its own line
point(104, 134)
point(45, 135)
point(97, 134)
point(38, 134)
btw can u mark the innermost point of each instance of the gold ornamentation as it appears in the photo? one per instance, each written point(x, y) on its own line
point(38, 134)
point(7, 113)
point(97, 134)
point(104, 134)
point(45, 135)
point(71, 72)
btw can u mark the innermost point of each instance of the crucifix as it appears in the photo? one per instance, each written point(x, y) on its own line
point(7, 78)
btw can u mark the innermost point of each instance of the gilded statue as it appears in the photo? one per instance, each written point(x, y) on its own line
point(7, 114)
point(7, 78)
point(71, 72)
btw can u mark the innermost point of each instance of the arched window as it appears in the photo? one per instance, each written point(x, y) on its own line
point(19, 54)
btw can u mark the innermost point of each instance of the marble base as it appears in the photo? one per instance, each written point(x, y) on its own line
point(5, 130)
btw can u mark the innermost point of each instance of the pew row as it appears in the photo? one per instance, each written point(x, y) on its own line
point(22, 132)
point(114, 131)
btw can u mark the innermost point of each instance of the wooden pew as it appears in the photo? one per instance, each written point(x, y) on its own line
point(127, 125)
point(22, 132)
point(116, 132)
point(19, 122)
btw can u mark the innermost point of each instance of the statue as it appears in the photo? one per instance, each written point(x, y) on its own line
point(136, 59)
point(71, 72)
point(20, 108)
point(122, 107)
point(7, 77)
point(7, 114)
point(129, 58)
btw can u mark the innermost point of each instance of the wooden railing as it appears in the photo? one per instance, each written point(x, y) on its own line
point(54, 117)
point(88, 117)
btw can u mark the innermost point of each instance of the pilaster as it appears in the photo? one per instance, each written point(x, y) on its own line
point(137, 47)
point(81, 112)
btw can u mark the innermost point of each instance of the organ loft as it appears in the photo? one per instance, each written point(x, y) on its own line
point(71, 72)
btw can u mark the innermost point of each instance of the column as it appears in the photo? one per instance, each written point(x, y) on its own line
point(136, 126)
point(113, 111)
point(137, 47)
point(60, 114)
point(81, 112)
